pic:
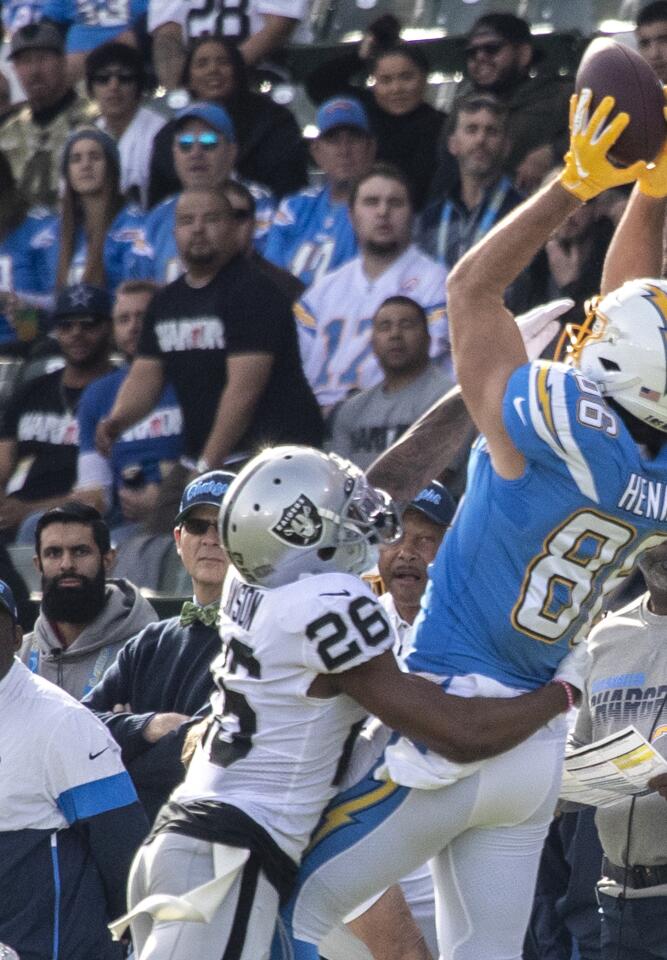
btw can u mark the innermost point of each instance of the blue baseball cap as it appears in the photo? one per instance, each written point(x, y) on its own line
point(82, 300)
point(342, 112)
point(206, 490)
point(435, 502)
point(8, 602)
point(210, 113)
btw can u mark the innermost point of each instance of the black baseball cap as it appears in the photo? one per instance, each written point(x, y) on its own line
point(82, 300)
point(435, 502)
point(36, 36)
point(206, 490)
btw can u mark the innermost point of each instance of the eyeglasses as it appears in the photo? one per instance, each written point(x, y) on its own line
point(207, 141)
point(242, 213)
point(86, 323)
point(197, 526)
point(489, 49)
point(124, 78)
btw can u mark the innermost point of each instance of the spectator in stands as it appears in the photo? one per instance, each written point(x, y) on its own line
point(366, 424)
point(39, 435)
point(627, 685)
point(334, 317)
point(407, 127)
point(69, 816)
point(91, 240)
point(479, 195)
point(242, 204)
point(258, 29)
point(224, 336)
point(270, 149)
point(161, 678)
point(125, 485)
point(34, 137)
point(311, 232)
point(500, 59)
point(651, 34)
point(88, 26)
point(575, 254)
point(204, 152)
point(115, 81)
point(84, 618)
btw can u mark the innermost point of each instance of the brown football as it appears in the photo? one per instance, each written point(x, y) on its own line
point(613, 69)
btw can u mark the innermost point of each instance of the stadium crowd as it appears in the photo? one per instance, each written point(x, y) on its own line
point(186, 279)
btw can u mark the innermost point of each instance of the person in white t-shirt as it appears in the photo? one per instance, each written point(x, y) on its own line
point(114, 80)
point(335, 315)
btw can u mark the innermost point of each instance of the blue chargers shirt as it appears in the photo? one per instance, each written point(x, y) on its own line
point(310, 235)
point(94, 22)
point(13, 247)
point(155, 255)
point(524, 569)
point(36, 256)
point(155, 439)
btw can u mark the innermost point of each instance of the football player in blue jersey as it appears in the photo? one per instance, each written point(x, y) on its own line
point(204, 155)
point(312, 232)
point(567, 487)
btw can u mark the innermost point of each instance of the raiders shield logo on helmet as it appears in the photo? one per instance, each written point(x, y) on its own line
point(300, 524)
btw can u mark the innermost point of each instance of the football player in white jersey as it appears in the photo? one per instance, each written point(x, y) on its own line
point(335, 315)
point(307, 654)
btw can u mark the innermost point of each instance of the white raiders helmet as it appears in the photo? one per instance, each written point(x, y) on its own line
point(622, 346)
point(295, 510)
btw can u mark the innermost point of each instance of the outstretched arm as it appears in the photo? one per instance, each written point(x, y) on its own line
point(463, 730)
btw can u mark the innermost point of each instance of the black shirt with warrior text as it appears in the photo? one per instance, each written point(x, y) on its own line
point(41, 418)
point(192, 331)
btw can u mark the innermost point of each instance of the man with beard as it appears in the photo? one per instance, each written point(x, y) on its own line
point(501, 58)
point(39, 434)
point(84, 618)
point(335, 315)
point(223, 335)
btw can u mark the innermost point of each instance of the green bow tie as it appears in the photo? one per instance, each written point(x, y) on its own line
point(192, 611)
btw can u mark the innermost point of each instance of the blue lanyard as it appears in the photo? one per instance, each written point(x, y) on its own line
point(475, 227)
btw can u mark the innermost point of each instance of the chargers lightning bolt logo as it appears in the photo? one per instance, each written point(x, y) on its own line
point(658, 299)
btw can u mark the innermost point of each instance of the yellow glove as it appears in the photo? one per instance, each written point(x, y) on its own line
point(653, 182)
point(587, 170)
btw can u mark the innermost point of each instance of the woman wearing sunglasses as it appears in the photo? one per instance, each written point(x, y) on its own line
point(89, 241)
point(270, 147)
point(115, 81)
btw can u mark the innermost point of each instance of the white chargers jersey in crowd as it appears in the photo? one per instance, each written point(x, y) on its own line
point(236, 19)
point(272, 750)
point(335, 315)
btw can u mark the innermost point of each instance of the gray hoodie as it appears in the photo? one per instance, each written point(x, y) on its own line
point(78, 668)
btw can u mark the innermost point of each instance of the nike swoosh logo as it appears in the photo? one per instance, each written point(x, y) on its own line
point(91, 756)
point(338, 593)
point(518, 406)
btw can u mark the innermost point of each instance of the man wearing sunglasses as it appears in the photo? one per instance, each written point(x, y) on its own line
point(115, 81)
point(500, 58)
point(204, 151)
point(39, 435)
point(161, 677)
